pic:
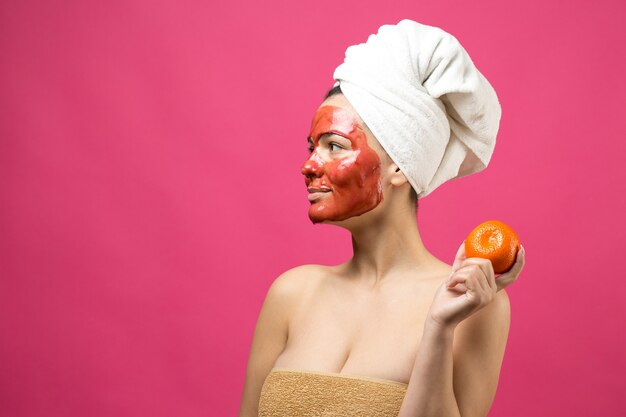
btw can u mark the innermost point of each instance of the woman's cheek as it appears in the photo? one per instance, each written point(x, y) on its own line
point(371, 180)
point(344, 172)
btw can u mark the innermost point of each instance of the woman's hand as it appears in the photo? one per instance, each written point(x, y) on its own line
point(471, 286)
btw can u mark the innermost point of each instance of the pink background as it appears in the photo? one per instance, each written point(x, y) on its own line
point(150, 193)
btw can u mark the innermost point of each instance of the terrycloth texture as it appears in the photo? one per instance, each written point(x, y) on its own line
point(294, 393)
point(430, 108)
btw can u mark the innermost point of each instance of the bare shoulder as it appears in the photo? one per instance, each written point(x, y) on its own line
point(494, 318)
point(502, 303)
point(294, 282)
point(500, 307)
point(293, 287)
point(299, 275)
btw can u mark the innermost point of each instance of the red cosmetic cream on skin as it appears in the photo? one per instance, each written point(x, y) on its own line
point(342, 173)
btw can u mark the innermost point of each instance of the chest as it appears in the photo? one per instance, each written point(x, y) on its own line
point(350, 331)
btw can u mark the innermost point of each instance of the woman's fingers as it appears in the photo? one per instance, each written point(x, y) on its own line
point(485, 266)
point(472, 277)
point(511, 275)
point(459, 257)
point(457, 278)
point(463, 278)
point(483, 270)
point(477, 276)
point(478, 292)
point(486, 279)
point(472, 284)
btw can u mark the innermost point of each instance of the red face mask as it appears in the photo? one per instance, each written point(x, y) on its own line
point(342, 174)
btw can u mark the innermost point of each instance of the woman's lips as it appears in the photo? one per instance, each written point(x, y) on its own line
point(314, 195)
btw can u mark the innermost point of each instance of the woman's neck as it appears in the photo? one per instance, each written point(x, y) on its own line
point(387, 248)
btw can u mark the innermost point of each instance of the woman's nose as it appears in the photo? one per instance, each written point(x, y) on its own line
point(312, 167)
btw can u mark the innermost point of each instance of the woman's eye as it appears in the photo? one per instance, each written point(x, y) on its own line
point(311, 149)
point(334, 146)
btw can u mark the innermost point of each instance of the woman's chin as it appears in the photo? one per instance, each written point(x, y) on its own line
point(349, 222)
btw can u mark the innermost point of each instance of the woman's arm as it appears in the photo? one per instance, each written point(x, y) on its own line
point(458, 362)
point(456, 370)
point(269, 340)
point(479, 344)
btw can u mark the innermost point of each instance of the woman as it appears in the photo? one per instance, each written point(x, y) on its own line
point(393, 331)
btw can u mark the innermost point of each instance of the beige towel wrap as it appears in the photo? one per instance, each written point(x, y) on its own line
point(297, 393)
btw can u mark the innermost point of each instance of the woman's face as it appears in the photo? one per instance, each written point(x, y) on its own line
point(343, 173)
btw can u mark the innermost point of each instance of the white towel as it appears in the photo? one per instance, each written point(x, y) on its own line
point(420, 94)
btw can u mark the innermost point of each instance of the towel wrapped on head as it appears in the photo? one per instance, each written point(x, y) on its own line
point(420, 94)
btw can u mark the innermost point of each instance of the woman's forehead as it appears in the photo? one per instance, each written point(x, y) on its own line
point(341, 102)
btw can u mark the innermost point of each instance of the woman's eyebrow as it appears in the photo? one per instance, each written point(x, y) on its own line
point(324, 135)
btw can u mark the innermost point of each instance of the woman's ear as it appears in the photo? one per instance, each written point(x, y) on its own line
point(397, 178)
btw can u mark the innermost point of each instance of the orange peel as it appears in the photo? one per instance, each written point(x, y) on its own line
point(495, 241)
